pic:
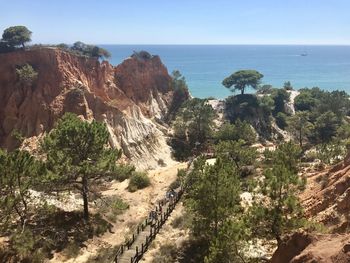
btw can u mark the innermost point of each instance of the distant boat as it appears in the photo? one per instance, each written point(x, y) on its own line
point(303, 54)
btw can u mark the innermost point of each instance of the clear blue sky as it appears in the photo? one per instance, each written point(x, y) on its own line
point(181, 21)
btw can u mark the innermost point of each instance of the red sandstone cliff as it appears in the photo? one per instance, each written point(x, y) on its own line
point(126, 97)
point(325, 200)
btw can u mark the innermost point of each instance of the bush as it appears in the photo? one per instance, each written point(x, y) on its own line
point(26, 74)
point(111, 207)
point(281, 120)
point(138, 180)
point(124, 171)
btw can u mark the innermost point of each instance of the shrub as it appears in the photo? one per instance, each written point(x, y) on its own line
point(26, 74)
point(111, 207)
point(124, 171)
point(281, 120)
point(138, 180)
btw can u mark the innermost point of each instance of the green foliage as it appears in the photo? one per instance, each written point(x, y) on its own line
point(193, 127)
point(111, 207)
point(227, 246)
point(77, 155)
point(19, 172)
point(123, 172)
point(331, 152)
point(280, 97)
point(326, 126)
point(287, 154)
point(281, 211)
point(242, 79)
point(281, 120)
point(265, 89)
point(318, 102)
point(251, 109)
point(238, 152)
point(181, 93)
point(26, 74)
point(16, 36)
point(214, 202)
point(300, 126)
point(241, 130)
point(81, 48)
point(138, 180)
point(287, 85)
point(213, 196)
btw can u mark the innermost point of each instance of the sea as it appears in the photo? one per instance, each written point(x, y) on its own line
point(205, 66)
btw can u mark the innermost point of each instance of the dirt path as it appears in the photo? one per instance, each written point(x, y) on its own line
point(140, 203)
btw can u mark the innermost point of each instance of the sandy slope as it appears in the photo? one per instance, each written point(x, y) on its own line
point(140, 202)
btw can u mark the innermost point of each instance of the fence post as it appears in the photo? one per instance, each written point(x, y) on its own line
point(137, 251)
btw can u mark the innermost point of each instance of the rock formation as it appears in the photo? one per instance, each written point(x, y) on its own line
point(325, 200)
point(129, 98)
point(305, 248)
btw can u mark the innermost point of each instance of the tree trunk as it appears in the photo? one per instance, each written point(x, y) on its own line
point(242, 91)
point(85, 198)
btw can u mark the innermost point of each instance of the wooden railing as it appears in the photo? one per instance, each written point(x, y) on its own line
point(154, 228)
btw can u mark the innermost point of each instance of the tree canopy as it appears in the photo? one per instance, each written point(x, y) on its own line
point(242, 79)
point(89, 50)
point(17, 36)
point(77, 155)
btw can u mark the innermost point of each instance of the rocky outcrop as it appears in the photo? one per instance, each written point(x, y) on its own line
point(126, 97)
point(306, 248)
point(327, 197)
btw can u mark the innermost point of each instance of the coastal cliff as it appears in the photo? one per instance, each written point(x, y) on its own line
point(128, 98)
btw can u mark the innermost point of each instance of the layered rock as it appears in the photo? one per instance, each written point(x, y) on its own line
point(126, 97)
point(327, 197)
point(306, 248)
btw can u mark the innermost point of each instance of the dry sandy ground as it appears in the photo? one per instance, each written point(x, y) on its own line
point(168, 235)
point(140, 202)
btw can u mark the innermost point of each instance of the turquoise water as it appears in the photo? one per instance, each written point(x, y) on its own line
point(204, 67)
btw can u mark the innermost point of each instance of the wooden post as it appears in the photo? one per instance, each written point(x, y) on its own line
point(133, 238)
point(137, 251)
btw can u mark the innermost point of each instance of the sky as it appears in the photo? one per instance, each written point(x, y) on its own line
point(181, 21)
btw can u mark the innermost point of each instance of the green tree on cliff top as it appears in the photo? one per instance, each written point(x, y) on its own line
point(17, 36)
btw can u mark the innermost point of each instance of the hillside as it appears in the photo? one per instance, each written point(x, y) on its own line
point(126, 97)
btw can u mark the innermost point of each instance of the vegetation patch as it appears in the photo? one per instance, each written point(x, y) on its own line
point(138, 180)
point(111, 207)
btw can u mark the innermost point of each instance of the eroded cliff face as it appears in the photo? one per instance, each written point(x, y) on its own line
point(127, 98)
point(326, 200)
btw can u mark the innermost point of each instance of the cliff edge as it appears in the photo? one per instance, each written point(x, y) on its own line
point(128, 98)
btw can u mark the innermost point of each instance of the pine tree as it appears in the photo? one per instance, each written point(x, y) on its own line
point(19, 172)
point(280, 210)
point(78, 157)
